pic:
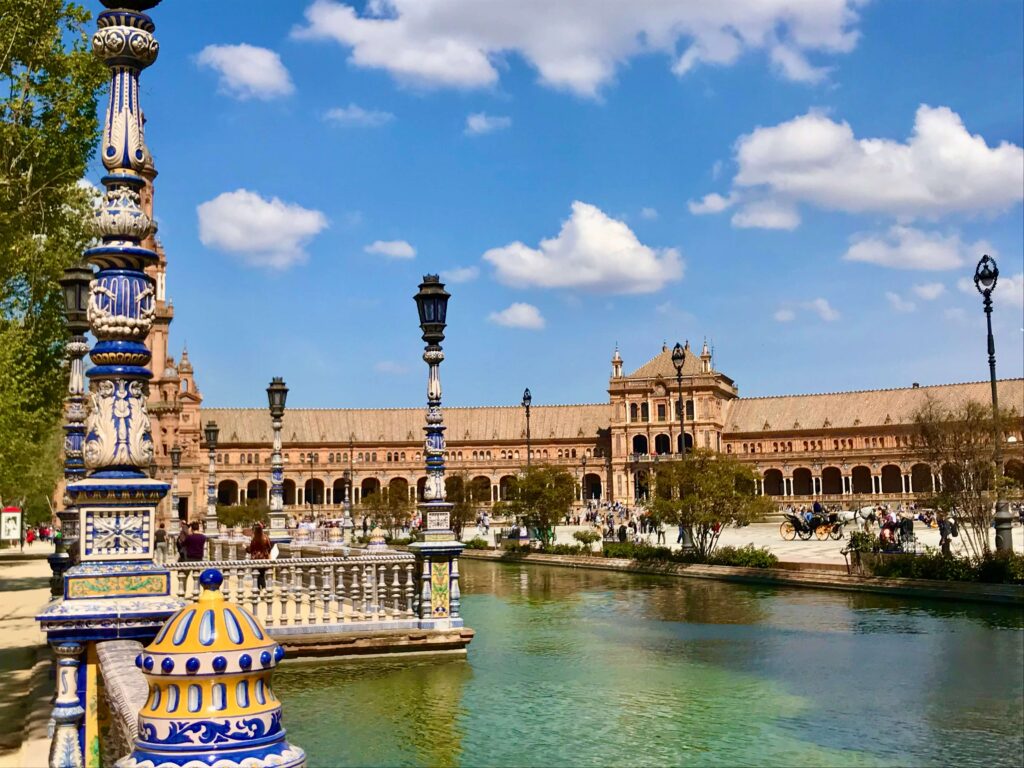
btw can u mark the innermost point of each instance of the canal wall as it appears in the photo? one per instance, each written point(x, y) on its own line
point(1005, 594)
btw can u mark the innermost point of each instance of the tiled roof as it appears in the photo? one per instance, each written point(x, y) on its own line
point(336, 425)
point(662, 365)
point(859, 409)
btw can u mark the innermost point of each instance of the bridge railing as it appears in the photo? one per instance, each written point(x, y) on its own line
point(329, 593)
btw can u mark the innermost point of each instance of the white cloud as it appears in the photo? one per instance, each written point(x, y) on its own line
point(766, 214)
point(940, 169)
point(460, 274)
point(1010, 290)
point(390, 367)
point(577, 46)
point(246, 71)
point(710, 203)
point(353, 114)
point(480, 123)
point(649, 214)
point(264, 233)
point(898, 303)
point(518, 315)
point(784, 315)
point(794, 65)
point(823, 309)
point(392, 249)
point(593, 252)
point(910, 248)
point(929, 291)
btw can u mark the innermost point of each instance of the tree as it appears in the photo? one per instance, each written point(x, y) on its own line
point(959, 441)
point(463, 495)
point(392, 512)
point(541, 496)
point(703, 493)
point(253, 511)
point(48, 133)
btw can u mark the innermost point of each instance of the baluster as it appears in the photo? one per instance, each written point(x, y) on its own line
point(286, 592)
point(410, 592)
point(382, 589)
point(326, 590)
point(368, 589)
point(340, 590)
point(312, 593)
point(394, 603)
point(180, 578)
point(268, 596)
point(357, 571)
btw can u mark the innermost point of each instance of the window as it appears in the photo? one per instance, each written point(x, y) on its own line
point(574, 453)
point(689, 410)
point(645, 412)
point(632, 412)
point(661, 412)
point(728, 448)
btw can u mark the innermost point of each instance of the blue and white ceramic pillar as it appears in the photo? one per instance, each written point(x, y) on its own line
point(438, 598)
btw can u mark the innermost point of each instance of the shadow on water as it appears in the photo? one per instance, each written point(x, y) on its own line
point(590, 668)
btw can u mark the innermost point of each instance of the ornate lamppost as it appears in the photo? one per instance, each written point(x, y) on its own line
point(527, 399)
point(175, 519)
point(438, 553)
point(212, 431)
point(678, 358)
point(115, 498)
point(75, 286)
point(277, 396)
point(583, 480)
point(985, 277)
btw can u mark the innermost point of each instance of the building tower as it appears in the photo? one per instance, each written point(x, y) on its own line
point(616, 364)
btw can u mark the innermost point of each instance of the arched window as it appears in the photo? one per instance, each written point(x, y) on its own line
point(574, 453)
point(633, 412)
point(645, 412)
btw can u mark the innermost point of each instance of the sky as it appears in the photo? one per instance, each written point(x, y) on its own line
point(808, 186)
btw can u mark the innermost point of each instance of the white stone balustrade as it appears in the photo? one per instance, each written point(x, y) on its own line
point(318, 594)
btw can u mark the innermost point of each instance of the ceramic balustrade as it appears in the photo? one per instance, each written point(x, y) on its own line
point(319, 592)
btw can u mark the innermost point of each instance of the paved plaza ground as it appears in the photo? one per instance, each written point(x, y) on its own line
point(24, 590)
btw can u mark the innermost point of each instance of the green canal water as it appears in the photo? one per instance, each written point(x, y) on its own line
point(577, 668)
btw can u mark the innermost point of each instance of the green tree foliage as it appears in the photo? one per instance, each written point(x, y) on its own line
point(959, 443)
point(467, 498)
point(704, 493)
point(253, 511)
point(49, 83)
point(392, 512)
point(541, 496)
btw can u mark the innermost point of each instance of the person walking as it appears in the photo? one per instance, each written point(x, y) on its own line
point(160, 546)
point(259, 549)
point(194, 544)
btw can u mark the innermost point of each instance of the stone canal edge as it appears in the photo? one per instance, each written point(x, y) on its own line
point(1005, 594)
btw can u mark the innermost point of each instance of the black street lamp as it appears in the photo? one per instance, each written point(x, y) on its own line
point(583, 480)
point(678, 358)
point(985, 277)
point(175, 504)
point(527, 399)
point(212, 431)
point(277, 396)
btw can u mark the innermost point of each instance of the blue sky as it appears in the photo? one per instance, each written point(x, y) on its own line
point(807, 185)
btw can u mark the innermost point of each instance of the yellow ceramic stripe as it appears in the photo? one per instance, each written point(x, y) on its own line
point(231, 709)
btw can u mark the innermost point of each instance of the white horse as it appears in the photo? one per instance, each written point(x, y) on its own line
point(856, 516)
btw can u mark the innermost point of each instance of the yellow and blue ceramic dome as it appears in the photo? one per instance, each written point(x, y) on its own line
point(210, 698)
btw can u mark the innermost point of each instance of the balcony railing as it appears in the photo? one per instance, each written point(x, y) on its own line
point(334, 594)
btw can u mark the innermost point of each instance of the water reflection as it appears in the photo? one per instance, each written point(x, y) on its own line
point(584, 668)
point(375, 712)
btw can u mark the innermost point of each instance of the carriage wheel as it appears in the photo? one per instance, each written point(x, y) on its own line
point(837, 532)
point(805, 533)
point(822, 532)
point(787, 531)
